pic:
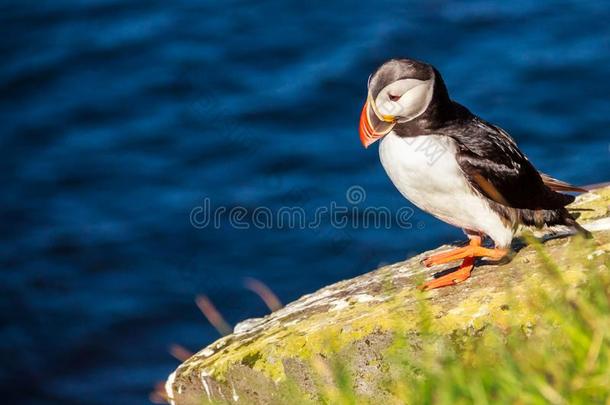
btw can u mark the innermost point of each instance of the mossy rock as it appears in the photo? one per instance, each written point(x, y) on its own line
point(357, 320)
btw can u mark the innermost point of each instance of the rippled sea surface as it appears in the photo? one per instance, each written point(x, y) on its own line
point(120, 117)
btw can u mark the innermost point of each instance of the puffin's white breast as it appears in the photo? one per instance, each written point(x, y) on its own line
point(425, 171)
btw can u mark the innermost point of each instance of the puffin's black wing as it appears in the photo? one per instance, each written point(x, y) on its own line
point(496, 167)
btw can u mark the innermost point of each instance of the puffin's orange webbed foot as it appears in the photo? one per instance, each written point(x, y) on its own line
point(455, 277)
point(468, 253)
point(444, 257)
point(473, 249)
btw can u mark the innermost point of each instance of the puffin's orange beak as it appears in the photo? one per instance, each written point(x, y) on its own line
point(373, 125)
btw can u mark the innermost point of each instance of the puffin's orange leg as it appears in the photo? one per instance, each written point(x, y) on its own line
point(468, 254)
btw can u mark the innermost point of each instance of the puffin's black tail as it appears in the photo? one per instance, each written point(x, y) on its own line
point(558, 185)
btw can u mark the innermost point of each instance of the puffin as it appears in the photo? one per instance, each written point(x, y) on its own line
point(457, 167)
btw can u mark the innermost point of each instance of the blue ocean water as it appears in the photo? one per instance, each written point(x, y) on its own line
point(121, 117)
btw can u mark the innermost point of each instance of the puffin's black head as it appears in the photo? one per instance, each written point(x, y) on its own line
point(399, 91)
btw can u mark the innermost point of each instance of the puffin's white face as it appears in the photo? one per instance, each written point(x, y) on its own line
point(399, 91)
point(405, 99)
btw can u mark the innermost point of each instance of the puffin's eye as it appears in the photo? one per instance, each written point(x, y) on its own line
point(393, 97)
